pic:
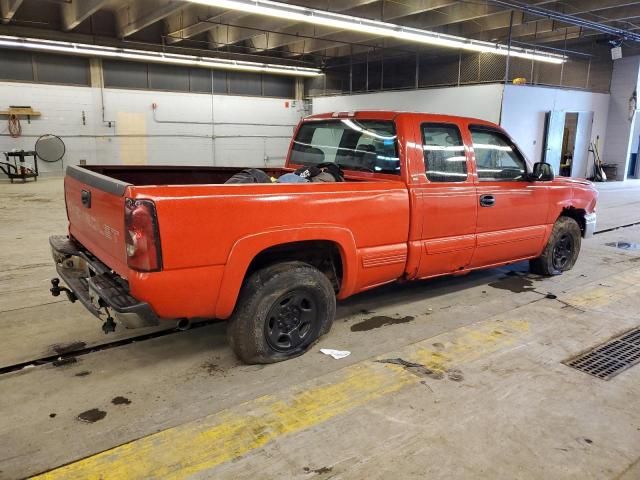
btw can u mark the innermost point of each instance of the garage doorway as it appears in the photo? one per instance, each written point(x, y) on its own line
point(566, 142)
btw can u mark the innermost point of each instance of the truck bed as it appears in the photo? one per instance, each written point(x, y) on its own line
point(189, 175)
point(209, 230)
point(173, 175)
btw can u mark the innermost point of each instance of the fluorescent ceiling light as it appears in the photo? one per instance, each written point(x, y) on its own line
point(383, 29)
point(149, 56)
point(358, 128)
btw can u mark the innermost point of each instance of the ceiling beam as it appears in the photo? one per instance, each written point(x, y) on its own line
point(139, 14)
point(222, 35)
point(76, 12)
point(8, 9)
point(188, 22)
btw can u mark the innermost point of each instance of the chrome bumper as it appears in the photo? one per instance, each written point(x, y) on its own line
point(589, 225)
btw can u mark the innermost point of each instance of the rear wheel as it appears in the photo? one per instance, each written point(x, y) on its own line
point(562, 249)
point(282, 310)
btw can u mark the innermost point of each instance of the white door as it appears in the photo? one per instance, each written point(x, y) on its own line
point(553, 139)
point(581, 147)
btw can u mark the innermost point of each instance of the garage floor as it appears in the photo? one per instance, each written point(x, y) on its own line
point(485, 393)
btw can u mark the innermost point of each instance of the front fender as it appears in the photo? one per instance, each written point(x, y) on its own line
point(247, 248)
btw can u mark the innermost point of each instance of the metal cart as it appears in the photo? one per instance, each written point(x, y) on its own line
point(16, 167)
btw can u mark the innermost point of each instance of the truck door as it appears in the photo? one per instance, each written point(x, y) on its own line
point(448, 206)
point(511, 209)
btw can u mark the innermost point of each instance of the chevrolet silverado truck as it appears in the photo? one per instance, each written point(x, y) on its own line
point(423, 195)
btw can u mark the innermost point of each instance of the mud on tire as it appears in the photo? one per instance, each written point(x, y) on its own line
point(561, 251)
point(281, 311)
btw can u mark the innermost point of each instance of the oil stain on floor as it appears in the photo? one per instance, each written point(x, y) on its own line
point(624, 245)
point(514, 283)
point(63, 348)
point(379, 321)
point(91, 416)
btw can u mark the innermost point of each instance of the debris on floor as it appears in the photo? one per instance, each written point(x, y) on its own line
point(337, 354)
point(455, 375)
point(415, 368)
point(61, 362)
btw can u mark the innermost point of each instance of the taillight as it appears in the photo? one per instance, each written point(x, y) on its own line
point(142, 236)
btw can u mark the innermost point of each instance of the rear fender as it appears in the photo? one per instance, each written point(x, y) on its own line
point(247, 248)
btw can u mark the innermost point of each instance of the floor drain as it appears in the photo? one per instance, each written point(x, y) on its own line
point(611, 358)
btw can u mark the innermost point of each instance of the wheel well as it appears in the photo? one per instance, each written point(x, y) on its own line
point(577, 214)
point(322, 254)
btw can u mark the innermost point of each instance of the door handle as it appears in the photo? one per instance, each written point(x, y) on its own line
point(487, 200)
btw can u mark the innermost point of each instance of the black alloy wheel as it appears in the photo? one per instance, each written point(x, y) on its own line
point(292, 319)
point(562, 251)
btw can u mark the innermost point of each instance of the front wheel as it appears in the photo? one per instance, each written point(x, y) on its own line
point(562, 249)
point(282, 310)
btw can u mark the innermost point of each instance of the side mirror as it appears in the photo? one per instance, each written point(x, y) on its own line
point(542, 172)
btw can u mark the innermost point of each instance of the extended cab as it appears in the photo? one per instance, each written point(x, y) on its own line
point(423, 195)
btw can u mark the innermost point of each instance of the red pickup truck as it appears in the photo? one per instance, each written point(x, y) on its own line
point(423, 195)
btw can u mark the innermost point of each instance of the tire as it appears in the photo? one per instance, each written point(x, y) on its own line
point(281, 311)
point(562, 249)
point(249, 175)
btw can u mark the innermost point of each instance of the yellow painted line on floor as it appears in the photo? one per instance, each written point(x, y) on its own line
point(611, 290)
point(469, 343)
point(201, 445)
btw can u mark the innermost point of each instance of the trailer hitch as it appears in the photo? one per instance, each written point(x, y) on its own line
point(56, 289)
point(109, 325)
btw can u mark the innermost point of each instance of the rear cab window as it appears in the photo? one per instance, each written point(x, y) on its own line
point(361, 145)
point(444, 153)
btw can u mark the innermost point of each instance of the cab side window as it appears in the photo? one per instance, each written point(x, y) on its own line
point(497, 159)
point(444, 155)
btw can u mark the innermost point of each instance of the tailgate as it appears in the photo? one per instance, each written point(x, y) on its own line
point(95, 207)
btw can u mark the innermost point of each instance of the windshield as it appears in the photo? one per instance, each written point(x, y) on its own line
point(365, 145)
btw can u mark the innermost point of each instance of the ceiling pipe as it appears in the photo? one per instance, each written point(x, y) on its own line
point(569, 19)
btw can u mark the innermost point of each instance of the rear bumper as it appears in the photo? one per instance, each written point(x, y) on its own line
point(589, 225)
point(96, 287)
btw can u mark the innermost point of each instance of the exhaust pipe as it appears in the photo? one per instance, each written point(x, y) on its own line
point(183, 324)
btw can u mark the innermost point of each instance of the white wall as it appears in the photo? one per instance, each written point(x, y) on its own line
point(624, 80)
point(479, 101)
point(137, 138)
point(61, 109)
point(519, 109)
point(523, 116)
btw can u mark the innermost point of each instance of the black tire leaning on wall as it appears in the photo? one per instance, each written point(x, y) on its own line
point(562, 249)
point(273, 303)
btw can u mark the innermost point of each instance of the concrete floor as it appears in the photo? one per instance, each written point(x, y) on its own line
point(499, 405)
